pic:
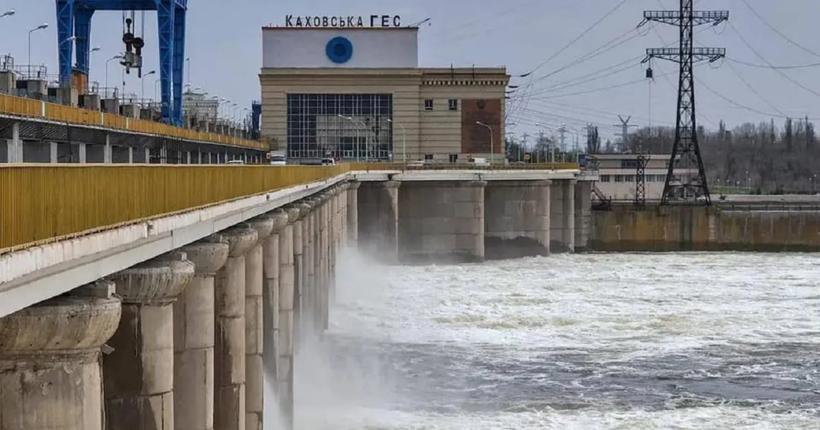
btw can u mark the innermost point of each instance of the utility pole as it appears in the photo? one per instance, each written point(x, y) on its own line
point(625, 130)
point(525, 147)
point(690, 188)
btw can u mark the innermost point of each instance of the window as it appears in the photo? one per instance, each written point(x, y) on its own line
point(630, 178)
point(629, 164)
point(351, 126)
point(453, 158)
point(619, 178)
point(452, 104)
point(428, 156)
point(428, 104)
point(606, 178)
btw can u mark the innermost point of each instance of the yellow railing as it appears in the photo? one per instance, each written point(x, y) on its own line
point(24, 107)
point(461, 166)
point(44, 202)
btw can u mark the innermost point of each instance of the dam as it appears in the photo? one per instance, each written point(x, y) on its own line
point(161, 303)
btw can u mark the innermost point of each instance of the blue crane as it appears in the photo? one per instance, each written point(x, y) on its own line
point(74, 28)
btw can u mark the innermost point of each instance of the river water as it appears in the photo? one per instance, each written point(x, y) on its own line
point(598, 341)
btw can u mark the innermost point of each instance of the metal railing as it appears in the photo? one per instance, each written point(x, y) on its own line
point(42, 203)
point(461, 166)
point(24, 107)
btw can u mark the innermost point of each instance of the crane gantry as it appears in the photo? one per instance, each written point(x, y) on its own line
point(74, 30)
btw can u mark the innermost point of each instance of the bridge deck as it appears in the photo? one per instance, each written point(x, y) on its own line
point(31, 109)
point(48, 202)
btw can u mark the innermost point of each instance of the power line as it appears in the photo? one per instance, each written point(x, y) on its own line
point(749, 45)
point(752, 89)
point(728, 100)
point(771, 27)
point(764, 66)
point(584, 33)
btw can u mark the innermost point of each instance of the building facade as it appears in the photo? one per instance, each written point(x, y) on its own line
point(359, 94)
point(619, 172)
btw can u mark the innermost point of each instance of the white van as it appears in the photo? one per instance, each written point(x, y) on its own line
point(278, 160)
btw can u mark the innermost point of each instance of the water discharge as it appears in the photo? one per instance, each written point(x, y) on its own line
point(598, 341)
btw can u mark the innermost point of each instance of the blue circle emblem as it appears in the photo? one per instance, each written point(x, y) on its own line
point(339, 50)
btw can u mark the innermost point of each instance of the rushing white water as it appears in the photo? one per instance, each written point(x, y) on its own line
point(600, 341)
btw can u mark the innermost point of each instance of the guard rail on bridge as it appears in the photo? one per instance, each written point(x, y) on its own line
point(45, 111)
point(47, 202)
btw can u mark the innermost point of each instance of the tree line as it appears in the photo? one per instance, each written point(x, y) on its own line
point(764, 157)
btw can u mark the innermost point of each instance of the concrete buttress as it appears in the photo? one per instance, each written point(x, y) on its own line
point(270, 299)
point(194, 337)
point(287, 306)
point(517, 218)
point(49, 360)
point(254, 306)
point(352, 224)
point(300, 242)
point(379, 219)
point(139, 373)
point(442, 221)
point(229, 349)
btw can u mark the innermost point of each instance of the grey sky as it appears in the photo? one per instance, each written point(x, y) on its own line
point(224, 44)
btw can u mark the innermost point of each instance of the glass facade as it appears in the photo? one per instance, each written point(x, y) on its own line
point(347, 126)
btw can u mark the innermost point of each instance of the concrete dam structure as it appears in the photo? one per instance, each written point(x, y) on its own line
point(179, 320)
point(780, 227)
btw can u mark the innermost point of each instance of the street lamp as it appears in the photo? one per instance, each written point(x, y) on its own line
point(9, 12)
point(156, 81)
point(39, 27)
point(403, 140)
point(492, 144)
point(358, 149)
point(142, 83)
point(116, 57)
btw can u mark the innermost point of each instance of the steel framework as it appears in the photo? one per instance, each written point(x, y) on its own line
point(640, 180)
point(74, 20)
point(685, 151)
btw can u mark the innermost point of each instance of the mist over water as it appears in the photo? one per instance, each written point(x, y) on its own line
point(599, 341)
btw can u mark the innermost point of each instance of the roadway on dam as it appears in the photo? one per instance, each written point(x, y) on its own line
point(596, 341)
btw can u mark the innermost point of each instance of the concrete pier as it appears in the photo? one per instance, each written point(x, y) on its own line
point(270, 299)
point(49, 360)
point(378, 220)
point(287, 306)
point(583, 215)
point(229, 350)
point(322, 263)
point(254, 320)
point(139, 372)
point(311, 246)
point(442, 221)
point(194, 338)
point(517, 219)
point(352, 224)
point(562, 216)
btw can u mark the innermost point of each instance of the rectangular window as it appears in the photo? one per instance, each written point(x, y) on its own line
point(606, 178)
point(619, 178)
point(428, 156)
point(452, 104)
point(428, 104)
point(629, 164)
point(349, 126)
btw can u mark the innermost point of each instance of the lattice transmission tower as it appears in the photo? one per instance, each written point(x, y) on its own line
point(686, 188)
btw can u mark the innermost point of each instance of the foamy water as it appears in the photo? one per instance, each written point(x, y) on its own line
point(603, 341)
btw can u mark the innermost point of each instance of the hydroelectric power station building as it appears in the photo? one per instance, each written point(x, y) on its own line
point(351, 87)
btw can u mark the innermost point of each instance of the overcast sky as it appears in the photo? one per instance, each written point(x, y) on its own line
point(224, 44)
